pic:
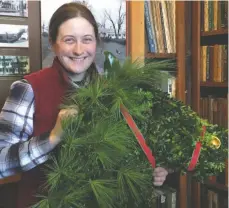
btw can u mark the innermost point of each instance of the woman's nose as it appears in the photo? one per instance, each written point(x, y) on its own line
point(78, 49)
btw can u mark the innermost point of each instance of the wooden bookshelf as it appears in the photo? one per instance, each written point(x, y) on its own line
point(207, 38)
point(215, 32)
point(221, 188)
point(137, 49)
point(161, 55)
point(213, 84)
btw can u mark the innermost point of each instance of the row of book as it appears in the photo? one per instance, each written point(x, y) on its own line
point(214, 15)
point(214, 63)
point(215, 110)
point(160, 26)
point(211, 198)
point(164, 197)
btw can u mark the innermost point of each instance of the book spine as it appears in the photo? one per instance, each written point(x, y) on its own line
point(219, 15)
point(206, 24)
point(210, 15)
point(163, 28)
point(151, 42)
point(211, 62)
point(215, 12)
point(171, 197)
point(208, 63)
point(161, 198)
point(152, 23)
point(215, 64)
point(203, 64)
point(225, 62)
point(166, 26)
point(219, 64)
point(158, 25)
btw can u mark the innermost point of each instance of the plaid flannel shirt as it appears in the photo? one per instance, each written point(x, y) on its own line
point(18, 151)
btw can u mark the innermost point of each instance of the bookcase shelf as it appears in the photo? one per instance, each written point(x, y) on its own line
point(213, 84)
point(189, 39)
point(138, 48)
point(223, 189)
point(161, 55)
point(215, 32)
point(211, 15)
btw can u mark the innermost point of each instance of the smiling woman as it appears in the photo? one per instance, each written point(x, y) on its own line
point(110, 19)
point(32, 108)
point(75, 45)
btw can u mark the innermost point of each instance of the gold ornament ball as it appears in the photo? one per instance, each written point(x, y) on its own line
point(215, 142)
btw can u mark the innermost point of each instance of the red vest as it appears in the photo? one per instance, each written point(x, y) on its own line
point(49, 86)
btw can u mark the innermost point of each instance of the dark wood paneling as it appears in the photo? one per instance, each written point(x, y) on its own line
point(34, 21)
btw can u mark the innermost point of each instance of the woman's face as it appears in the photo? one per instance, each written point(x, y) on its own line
point(75, 45)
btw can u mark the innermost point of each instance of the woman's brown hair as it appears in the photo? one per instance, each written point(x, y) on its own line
point(69, 11)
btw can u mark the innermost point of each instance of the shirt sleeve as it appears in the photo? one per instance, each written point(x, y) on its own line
point(18, 150)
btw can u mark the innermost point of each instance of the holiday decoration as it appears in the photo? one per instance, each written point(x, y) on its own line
point(215, 142)
point(103, 160)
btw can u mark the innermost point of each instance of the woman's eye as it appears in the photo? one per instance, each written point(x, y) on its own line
point(87, 40)
point(69, 40)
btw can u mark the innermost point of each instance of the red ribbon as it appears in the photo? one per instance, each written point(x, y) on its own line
point(196, 152)
point(138, 135)
point(195, 156)
point(147, 150)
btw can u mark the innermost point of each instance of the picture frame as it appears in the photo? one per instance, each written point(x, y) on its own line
point(14, 65)
point(14, 36)
point(14, 8)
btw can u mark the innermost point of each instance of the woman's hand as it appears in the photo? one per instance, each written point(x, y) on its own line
point(159, 175)
point(57, 131)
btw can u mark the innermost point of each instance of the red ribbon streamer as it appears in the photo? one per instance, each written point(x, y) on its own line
point(147, 150)
point(196, 152)
point(138, 135)
point(195, 156)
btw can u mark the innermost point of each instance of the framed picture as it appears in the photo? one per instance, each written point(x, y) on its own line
point(111, 20)
point(13, 35)
point(14, 8)
point(14, 65)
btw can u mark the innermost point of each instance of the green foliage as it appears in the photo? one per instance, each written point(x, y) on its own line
point(100, 163)
point(172, 132)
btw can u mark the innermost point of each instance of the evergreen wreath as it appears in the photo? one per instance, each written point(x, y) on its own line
point(100, 163)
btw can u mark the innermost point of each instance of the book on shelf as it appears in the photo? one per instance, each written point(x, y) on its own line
point(214, 15)
point(211, 198)
point(214, 63)
point(160, 26)
point(164, 197)
point(214, 110)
